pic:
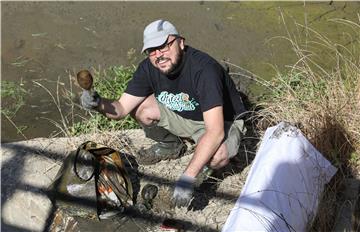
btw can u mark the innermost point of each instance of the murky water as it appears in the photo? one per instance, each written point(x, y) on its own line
point(50, 41)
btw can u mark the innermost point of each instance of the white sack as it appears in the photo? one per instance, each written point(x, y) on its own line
point(282, 190)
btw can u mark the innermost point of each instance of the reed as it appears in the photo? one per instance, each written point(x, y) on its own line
point(320, 94)
point(323, 101)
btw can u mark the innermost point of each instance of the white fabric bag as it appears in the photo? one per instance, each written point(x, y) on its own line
point(282, 190)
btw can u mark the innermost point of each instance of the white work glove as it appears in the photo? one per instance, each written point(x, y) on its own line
point(183, 191)
point(90, 99)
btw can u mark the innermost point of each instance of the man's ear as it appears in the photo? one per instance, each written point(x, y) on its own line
point(182, 43)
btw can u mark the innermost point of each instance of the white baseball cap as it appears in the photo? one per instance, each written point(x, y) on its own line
point(157, 32)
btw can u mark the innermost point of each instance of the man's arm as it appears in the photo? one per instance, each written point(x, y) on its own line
point(118, 109)
point(209, 142)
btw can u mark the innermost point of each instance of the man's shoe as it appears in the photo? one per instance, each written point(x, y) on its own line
point(168, 146)
point(161, 151)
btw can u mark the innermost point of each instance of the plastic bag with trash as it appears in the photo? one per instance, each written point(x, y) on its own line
point(93, 183)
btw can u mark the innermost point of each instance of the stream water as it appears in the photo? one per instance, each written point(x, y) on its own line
point(47, 42)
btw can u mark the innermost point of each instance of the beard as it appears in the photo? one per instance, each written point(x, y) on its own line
point(174, 65)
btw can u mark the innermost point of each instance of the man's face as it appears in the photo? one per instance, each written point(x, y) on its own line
point(167, 57)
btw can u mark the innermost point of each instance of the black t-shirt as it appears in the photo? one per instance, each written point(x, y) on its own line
point(201, 85)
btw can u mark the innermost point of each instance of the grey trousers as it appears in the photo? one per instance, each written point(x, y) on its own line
point(177, 125)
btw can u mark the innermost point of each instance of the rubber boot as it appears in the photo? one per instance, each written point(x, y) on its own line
point(168, 146)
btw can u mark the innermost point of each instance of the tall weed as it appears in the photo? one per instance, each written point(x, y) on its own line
point(320, 94)
point(74, 120)
point(109, 83)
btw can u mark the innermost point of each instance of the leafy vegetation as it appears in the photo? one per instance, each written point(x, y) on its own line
point(110, 83)
point(12, 98)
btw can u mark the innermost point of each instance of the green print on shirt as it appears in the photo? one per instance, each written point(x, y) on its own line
point(177, 102)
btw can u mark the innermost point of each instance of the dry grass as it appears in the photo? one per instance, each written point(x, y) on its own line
point(322, 97)
point(323, 101)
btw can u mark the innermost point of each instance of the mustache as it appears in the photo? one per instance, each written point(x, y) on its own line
point(161, 58)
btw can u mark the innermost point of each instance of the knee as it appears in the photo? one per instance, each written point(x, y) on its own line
point(220, 159)
point(219, 163)
point(147, 113)
point(143, 115)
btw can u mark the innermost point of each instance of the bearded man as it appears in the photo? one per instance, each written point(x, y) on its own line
point(179, 92)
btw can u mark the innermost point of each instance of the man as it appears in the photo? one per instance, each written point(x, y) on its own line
point(178, 91)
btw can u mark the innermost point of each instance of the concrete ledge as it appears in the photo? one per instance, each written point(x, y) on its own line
point(27, 169)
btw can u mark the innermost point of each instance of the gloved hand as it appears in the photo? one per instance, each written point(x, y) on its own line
point(183, 191)
point(90, 99)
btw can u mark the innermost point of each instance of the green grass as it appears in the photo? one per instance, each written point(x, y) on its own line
point(12, 98)
point(110, 84)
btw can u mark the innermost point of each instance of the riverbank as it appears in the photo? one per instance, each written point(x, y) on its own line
point(29, 167)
